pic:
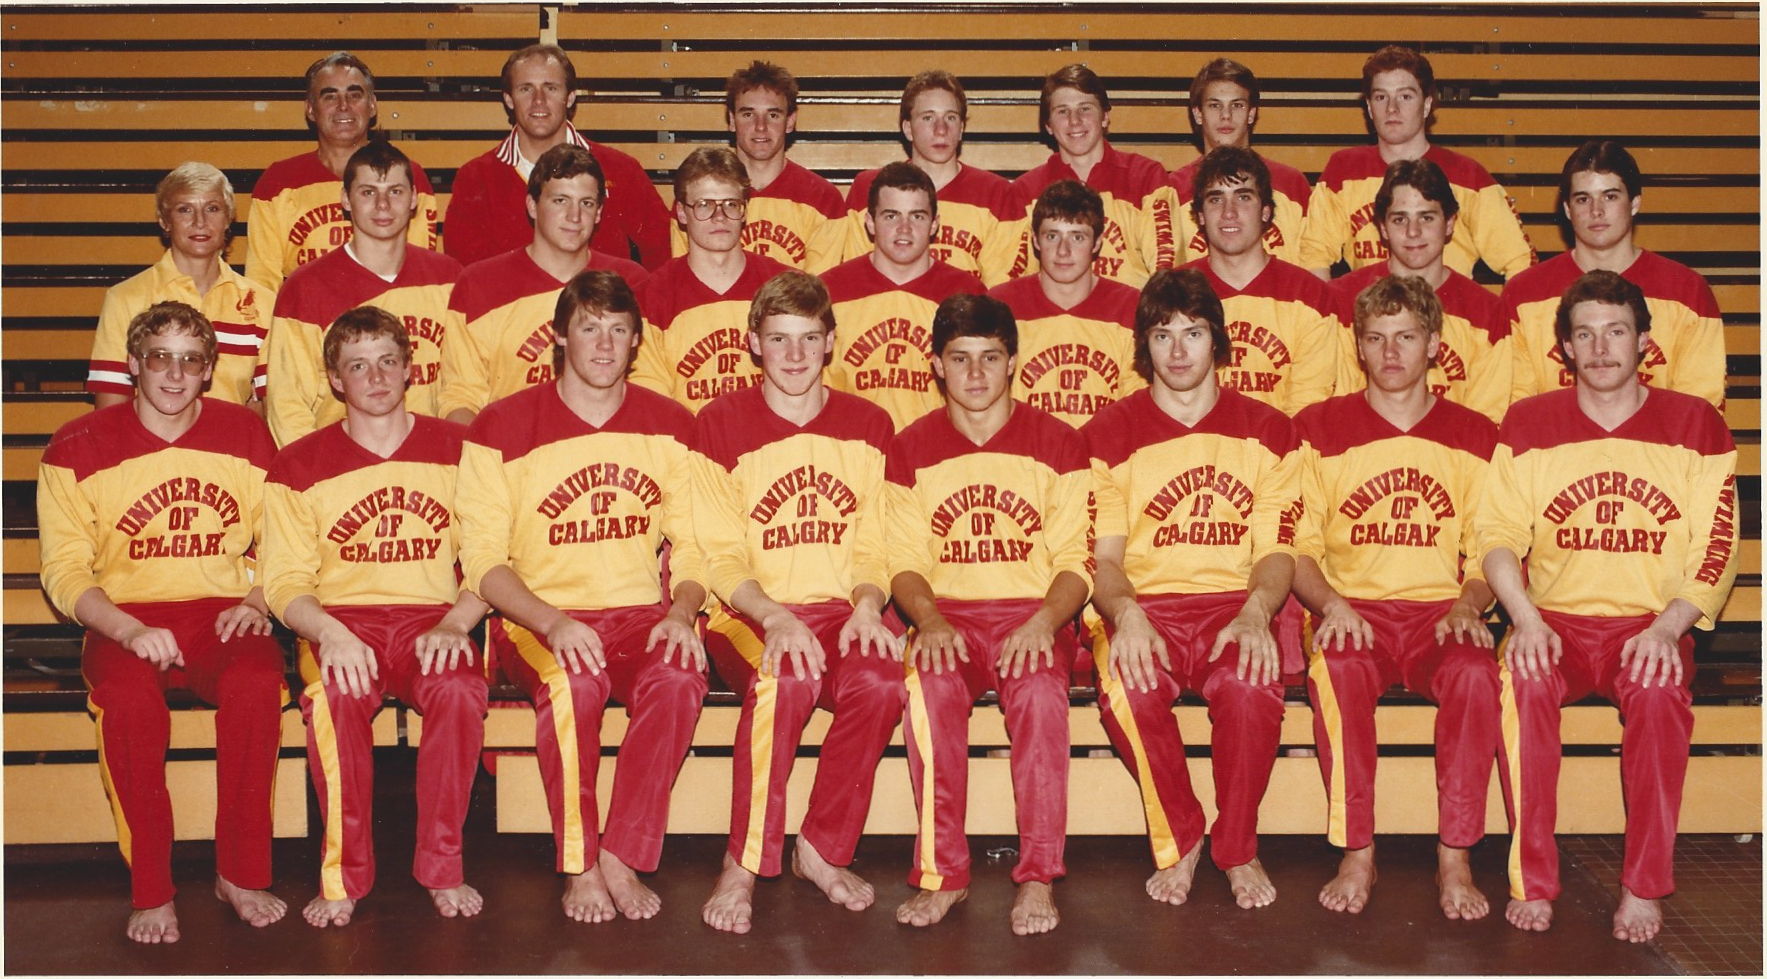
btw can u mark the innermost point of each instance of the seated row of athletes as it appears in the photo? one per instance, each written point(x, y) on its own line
point(785, 545)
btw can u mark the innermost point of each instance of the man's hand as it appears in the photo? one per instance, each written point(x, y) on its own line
point(347, 663)
point(575, 645)
point(1654, 654)
point(1465, 624)
point(787, 635)
point(677, 637)
point(442, 647)
point(157, 646)
point(1133, 648)
point(865, 627)
point(1025, 645)
point(242, 620)
point(1532, 649)
point(937, 647)
point(1342, 627)
point(1259, 661)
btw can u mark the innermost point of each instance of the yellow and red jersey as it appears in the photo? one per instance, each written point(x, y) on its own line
point(1388, 514)
point(578, 512)
point(695, 344)
point(978, 226)
point(1686, 348)
point(1197, 505)
point(147, 520)
point(348, 527)
point(798, 220)
point(1340, 217)
point(797, 509)
point(297, 395)
point(1284, 327)
point(297, 215)
point(499, 335)
point(883, 334)
point(239, 309)
point(1616, 523)
point(995, 521)
point(1073, 362)
point(1472, 366)
point(1170, 209)
point(1125, 181)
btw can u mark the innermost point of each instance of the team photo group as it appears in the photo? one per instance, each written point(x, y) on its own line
point(884, 451)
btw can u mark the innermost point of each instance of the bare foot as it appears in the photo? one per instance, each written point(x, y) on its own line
point(459, 901)
point(1638, 919)
point(586, 898)
point(732, 904)
point(1172, 885)
point(1535, 915)
point(1461, 900)
point(322, 912)
point(930, 907)
point(1033, 910)
point(255, 908)
point(634, 900)
point(840, 885)
point(1349, 890)
point(153, 925)
point(1251, 885)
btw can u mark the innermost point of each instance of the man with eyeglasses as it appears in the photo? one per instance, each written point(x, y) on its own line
point(145, 512)
point(887, 299)
point(500, 334)
point(696, 306)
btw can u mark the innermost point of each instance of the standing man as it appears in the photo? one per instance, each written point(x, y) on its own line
point(1390, 482)
point(361, 532)
point(1622, 498)
point(1283, 321)
point(888, 297)
point(696, 306)
point(789, 498)
point(1223, 111)
point(1600, 191)
point(378, 266)
point(499, 337)
point(1399, 95)
point(1198, 497)
point(485, 211)
point(1416, 211)
point(1075, 110)
point(295, 217)
point(145, 512)
point(567, 490)
point(795, 216)
point(988, 529)
point(977, 227)
point(1076, 329)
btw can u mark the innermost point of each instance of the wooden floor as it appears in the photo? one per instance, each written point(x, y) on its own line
point(64, 907)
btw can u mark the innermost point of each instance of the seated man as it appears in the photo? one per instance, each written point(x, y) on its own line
point(567, 490)
point(988, 529)
point(361, 532)
point(887, 299)
point(1198, 494)
point(1416, 211)
point(789, 512)
point(1076, 329)
point(145, 512)
point(378, 267)
point(1622, 498)
point(1390, 477)
point(499, 336)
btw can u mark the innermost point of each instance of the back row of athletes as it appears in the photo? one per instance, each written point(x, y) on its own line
point(1092, 221)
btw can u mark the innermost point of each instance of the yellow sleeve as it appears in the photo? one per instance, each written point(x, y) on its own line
point(909, 529)
point(1490, 380)
point(1277, 508)
point(827, 245)
point(1697, 365)
point(650, 366)
point(1068, 526)
point(718, 527)
point(1325, 230)
point(687, 559)
point(288, 566)
point(999, 250)
point(263, 246)
point(295, 379)
point(677, 239)
point(1711, 553)
point(1159, 229)
point(1503, 517)
point(67, 538)
point(1310, 531)
point(1017, 234)
point(1497, 232)
point(111, 342)
point(1314, 372)
point(1472, 559)
point(483, 502)
point(1524, 363)
point(466, 370)
point(1107, 496)
point(422, 229)
point(1349, 365)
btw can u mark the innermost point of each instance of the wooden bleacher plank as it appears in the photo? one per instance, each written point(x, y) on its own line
point(42, 417)
point(127, 113)
point(102, 66)
point(192, 728)
point(80, 813)
point(1658, 199)
point(255, 24)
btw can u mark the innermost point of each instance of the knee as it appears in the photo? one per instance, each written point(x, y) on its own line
point(872, 689)
point(675, 683)
point(1660, 700)
point(136, 703)
point(1470, 676)
point(1230, 695)
point(459, 693)
point(252, 678)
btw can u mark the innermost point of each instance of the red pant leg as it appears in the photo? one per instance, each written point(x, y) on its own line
point(1145, 734)
point(1036, 708)
point(663, 701)
point(936, 728)
point(126, 696)
point(567, 735)
point(865, 692)
point(340, 754)
point(774, 710)
point(1345, 683)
